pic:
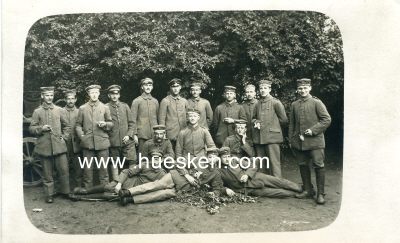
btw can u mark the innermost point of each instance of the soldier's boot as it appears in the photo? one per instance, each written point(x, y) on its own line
point(95, 189)
point(320, 178)
point(123, 201)
point(155, 196)
point(124, 193)
point(306, 178)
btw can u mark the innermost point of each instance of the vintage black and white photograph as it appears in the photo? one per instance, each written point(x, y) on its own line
point(183, 122)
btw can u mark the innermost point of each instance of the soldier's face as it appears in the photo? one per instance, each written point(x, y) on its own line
point(212, 158)
point(240, 129)
point(193, 118)
point(94, 94)
point(225, 159)
point(195, 91)
point(71, 100)
point(304, 90)
point(156, 160)
point(48, 97)
point(114, 96)
point(175, 89)
point(250, 93)
point(159, 136)
point(265, 89)
point(230, 95)
point(147, 88)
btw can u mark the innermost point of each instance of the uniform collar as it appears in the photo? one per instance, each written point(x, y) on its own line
point(46, 106)
point(91, 103)
point(70, 109)
point(178, 97)
point(194, 127)
point(195, 99)
point(229, 104)
point(265, 99)
point(114, 104)
point(306, 98)
point(146, 96)
point(249, 102)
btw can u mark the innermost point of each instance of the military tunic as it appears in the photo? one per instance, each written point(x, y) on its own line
point(222, 130)
point(193, 141)
point(144, 110)
point(248, 107)
point(206, 113)
point(172, 115)
point(165, 148)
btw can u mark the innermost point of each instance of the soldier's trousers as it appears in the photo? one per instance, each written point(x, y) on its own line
point(119, 153)
point(270, 192)
point(273, 151)
point(316, 156)
point(161, 189)
point(88, 171)
point(61, 163)
point(275, 182)
point(75, 169)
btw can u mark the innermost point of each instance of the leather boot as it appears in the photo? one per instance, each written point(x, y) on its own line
point(306, 178)
point(320, 178)
point(124, 193)
point(125, 200)
point(95, 189)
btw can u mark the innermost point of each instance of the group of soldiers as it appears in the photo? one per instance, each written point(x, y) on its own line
point(179, 127)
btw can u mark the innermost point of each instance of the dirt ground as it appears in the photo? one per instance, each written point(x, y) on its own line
point(67, 217)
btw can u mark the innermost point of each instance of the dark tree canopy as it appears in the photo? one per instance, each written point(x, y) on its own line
point(218, 48)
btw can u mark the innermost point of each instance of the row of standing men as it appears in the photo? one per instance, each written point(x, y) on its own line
point(114, 129)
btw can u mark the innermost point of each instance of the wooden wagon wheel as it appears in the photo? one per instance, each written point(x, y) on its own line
point(32, 169)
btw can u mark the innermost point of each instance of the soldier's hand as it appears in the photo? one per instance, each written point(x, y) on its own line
point(230, 192)
point(308, 132)
point(118, 187)
point(229, 120)
point(46, 128)
point(101, 124)
point(198, 174)
point(191, 180)
point(125, 139)
point(244, 178)
point(257, 125)
point(135, 139)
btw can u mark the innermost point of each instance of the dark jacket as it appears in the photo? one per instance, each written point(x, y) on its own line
point(206, 113)
point(308, 113)
point(270, 112)
point(122, 123)
point(172, 115)
point(224, 110)
point(144, 110)
point(73, 140)
point(248, 107)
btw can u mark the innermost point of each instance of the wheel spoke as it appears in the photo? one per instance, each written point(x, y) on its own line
point(27, 149)
point(37, 171)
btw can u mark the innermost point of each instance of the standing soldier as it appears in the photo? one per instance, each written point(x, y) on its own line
point(94, 121)
point(308, 121)
point(173, 111)
point(121, 135)
point(74, 150)
point(248, 106)
point(225, 115)
point(200, 104)
point(144, 110)
point(194, 139)
point(48, 120)
point(269, 115)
